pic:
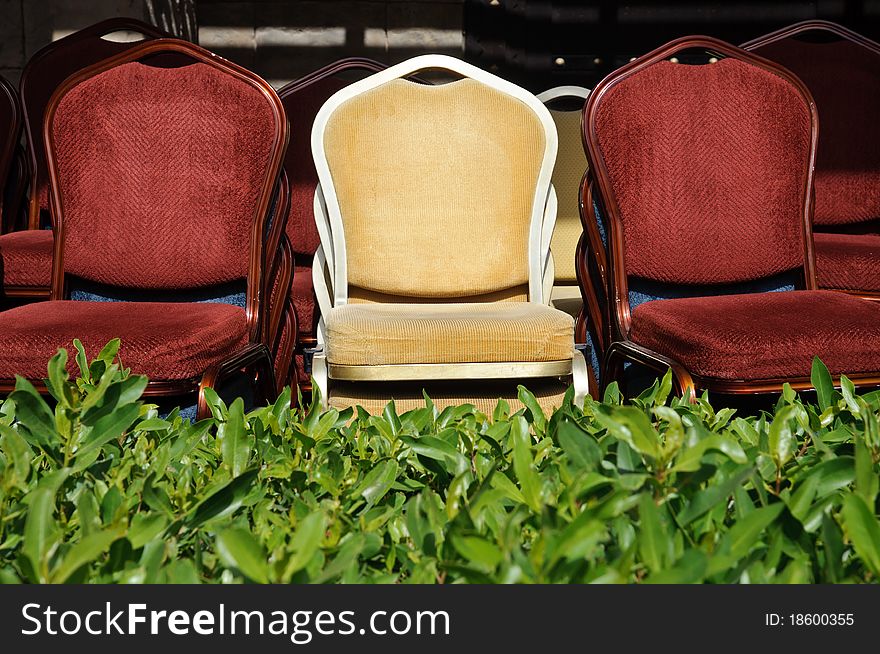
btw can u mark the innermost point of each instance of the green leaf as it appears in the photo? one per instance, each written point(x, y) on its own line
point(88, 512)
point(238, 548)
point(224, 500)
point(478, 551)
point(803, 496)
point(236, 443)
point(377, 482)
point(580, 447)
point(58, 376)
point(781, 439)
point(18, 454)
point(820, 378)
point(305, 542)
point(539, 420)
point(710, 497)
point(863, 530)
point(631, 425)
point(41, 533)
point(87, 550)
point(32, 411)
point(109, 428)
point(523, 464)
point(689, 569)
point(690, 459)
point(746, 531)
point(654, 542)
point(867, 479)
point(848, 390)
point(144, 528)
point(81, 360)
point(439, 450)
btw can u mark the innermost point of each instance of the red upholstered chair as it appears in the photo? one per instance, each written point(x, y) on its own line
point(163, 163)
point(302, 99)
point(842, 71)
point(704, 173)
point(27, 255)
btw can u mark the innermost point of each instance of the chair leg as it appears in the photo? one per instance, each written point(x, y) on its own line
point(580, 377)
point(612, 368)
point(619, 352)
point(253, 360)
point(319, 374)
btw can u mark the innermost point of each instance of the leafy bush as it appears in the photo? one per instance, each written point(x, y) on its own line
point(101, 489)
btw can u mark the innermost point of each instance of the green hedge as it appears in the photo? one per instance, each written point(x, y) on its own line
point(100, 489)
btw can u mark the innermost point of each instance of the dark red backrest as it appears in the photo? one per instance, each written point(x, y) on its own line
point(49, 67)
point(302, 99)
point(10, 130)
point(705, 169)
point(842, 71)
point(163, 160)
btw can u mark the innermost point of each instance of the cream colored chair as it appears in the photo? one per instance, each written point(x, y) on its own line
point(571, 164)
point(435, 212)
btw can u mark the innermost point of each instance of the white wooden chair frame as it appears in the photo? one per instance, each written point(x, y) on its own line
point(330, 273)
point(548, 96)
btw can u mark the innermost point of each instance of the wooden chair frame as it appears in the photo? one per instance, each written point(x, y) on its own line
point(330, 266)
point(620, 348)
point(840, 31)
point(254, 357)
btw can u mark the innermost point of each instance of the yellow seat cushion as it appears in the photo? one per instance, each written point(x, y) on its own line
point(381, 334)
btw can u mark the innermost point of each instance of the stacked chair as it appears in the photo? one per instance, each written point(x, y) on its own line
point(571, 164)
point(163, 163)
point(302, 99)
point(566, 105)
point(27, 254)
point(703, 172)
point(435, 213)
point(842, 71)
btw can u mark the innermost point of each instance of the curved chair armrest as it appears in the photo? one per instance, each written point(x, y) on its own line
point(549, 277)
point(590, 223)
point(593, 315)
point(253, 356)
point(279, 212)
point(283, 350)
point(548, 224)
point(322, 221)
point(627, 350)
point(549, 221)
point(322, 284)
point(277, 290)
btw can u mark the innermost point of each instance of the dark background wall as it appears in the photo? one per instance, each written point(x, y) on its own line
point(535, 42)
point(538, 43)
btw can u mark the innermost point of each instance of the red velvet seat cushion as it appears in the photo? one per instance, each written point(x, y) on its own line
point(848, 262)
point(163, 340)
point(26, 258)
point(763, 335)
